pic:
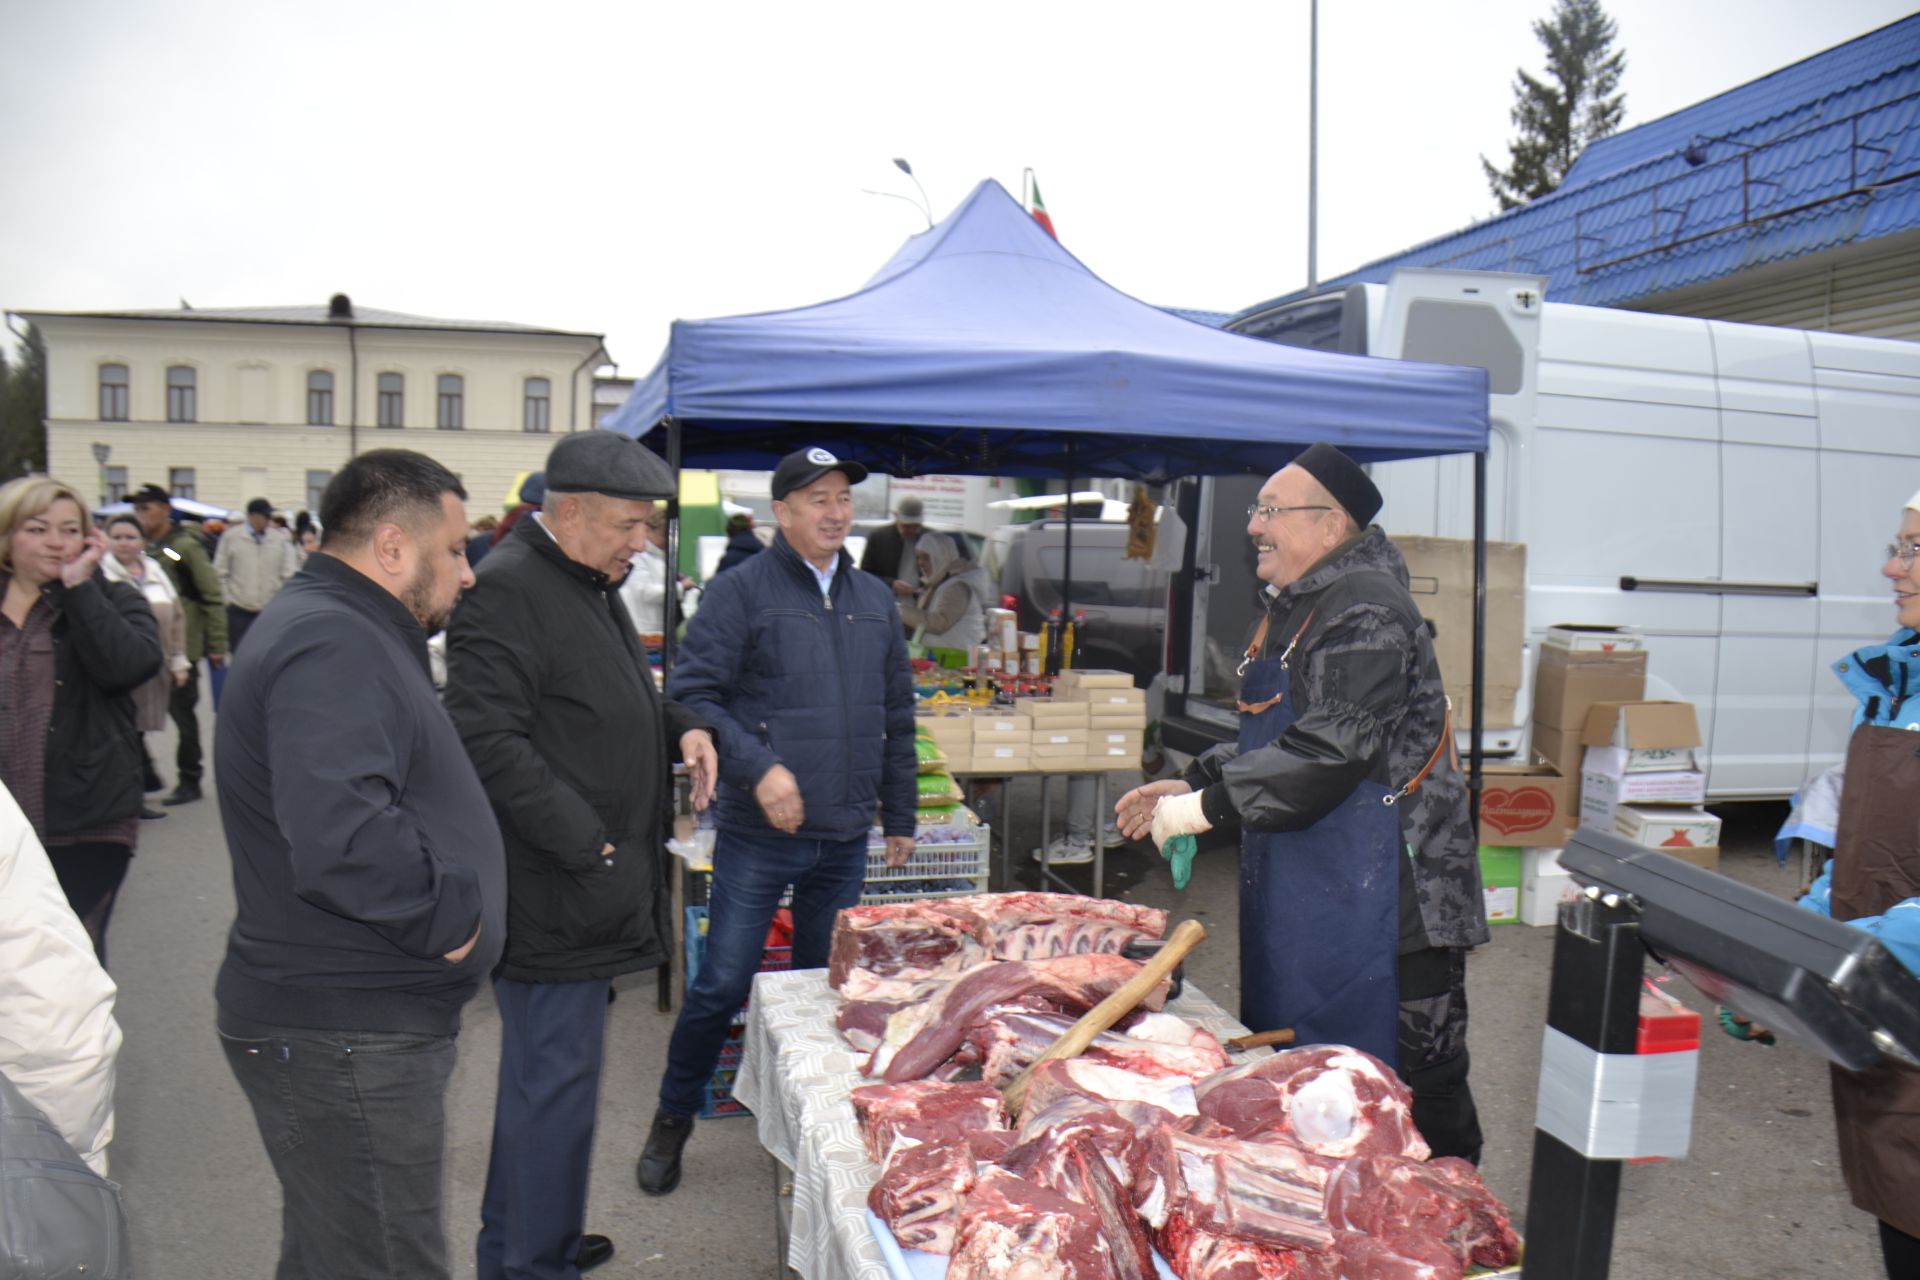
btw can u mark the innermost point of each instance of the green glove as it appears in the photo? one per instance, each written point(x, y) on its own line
point(1741, 1029)
point(1179, 855)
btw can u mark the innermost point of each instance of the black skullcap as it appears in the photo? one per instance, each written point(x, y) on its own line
point(1342, 477)
point(607, 462)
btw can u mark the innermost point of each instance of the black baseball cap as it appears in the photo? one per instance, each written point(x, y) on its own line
point(150, 493)
point(804, 466)
point(259, 507)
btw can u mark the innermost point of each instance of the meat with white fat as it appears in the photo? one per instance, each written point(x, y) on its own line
point(1010, 1040)
point(1333, 1100)
point(1013, 1229)
point(1271, 1193)
point(882, 1110)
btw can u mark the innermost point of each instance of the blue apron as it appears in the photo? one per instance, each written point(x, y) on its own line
point(1320, 908)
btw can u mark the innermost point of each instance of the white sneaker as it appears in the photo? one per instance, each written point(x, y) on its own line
point(1110, 837)
point(1066, 851)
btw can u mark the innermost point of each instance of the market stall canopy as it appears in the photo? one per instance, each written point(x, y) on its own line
point(983, 347)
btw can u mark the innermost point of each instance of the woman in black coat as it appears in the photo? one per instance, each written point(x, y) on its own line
point(73, 648)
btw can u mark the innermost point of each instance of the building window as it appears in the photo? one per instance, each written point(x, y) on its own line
point(393, 400)
point(113, 393)
point(180, 481)
point(452, 393)
point(182, 383)
point(539, 410)
point(319, 398)
point(116, 485)
point(316, 485)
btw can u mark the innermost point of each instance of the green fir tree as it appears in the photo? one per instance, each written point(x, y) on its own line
point(1578, 102)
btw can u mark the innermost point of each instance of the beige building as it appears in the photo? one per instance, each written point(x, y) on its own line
point(227, 405)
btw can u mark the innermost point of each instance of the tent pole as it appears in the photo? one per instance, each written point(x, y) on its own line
point(671, 609)
point(1475, 755)
point(1066, 565)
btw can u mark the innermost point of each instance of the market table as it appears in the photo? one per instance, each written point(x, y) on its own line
point(1046, 777)
point(797, 1076)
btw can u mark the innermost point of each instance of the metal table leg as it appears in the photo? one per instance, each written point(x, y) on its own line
point(1099, 827)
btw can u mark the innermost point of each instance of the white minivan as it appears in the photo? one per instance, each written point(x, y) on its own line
point(1729, 489)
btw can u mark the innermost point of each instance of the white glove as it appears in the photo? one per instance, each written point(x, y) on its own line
point(1178, 816)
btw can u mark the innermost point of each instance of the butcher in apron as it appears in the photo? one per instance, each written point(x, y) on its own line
point(1873, 883)
point(1359, 873)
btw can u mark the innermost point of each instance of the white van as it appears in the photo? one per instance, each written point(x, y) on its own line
point(1729, 489)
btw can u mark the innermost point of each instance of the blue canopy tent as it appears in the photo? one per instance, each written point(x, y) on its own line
point(984, 347)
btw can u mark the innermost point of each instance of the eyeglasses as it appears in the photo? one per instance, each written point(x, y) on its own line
point(1264, 514)
point(1905, 554)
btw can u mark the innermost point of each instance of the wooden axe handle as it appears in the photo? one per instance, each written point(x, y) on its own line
point(1075, 1039)
point(1283, 1036)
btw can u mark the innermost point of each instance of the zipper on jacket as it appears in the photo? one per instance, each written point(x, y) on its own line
point(846, 689)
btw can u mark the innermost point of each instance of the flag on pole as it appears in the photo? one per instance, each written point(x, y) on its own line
point(1038, 208)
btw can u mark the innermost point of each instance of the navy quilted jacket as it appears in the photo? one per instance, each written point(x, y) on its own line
point(821, 686)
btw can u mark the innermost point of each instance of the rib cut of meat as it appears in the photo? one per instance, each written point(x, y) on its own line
point(1069, 984)
point(1086, 1177)
point(949, 1110)
point(919, 1192)
point(884, 951)
point(1270, 1193)
point(1333, 1100)
point(1146, 1102)
point(1414, 1207)
point(1159, 1044)
point(1013, 1229)
point(1039, 1150)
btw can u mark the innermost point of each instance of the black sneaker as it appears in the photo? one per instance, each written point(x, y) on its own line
point(660, 1158)
point(150, 814)
point(185, 793)
point(593, 1251)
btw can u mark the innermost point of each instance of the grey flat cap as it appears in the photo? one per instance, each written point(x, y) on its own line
point(610, 463)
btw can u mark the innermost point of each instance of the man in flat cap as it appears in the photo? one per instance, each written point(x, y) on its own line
point(798, 660)
point(1359, 876)
point(552, 695)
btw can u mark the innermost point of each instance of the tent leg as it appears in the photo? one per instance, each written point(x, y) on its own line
point(1475, 754)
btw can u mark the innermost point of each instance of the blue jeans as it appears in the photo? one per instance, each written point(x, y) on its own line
point(355, 1125)
point(750, 871)
point(551, 1037)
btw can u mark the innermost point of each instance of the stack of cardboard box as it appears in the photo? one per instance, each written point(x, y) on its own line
point(1639, 779)
point(1002, 742)
point(1116, 716)
point(1059, 732)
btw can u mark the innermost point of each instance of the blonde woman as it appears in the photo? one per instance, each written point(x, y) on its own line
point(129, 562)
point(73, 648)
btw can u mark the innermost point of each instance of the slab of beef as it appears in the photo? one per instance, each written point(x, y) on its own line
point(1434, 1210)
point(1069, 984)
point(1013, 1229)
point(1158, 1044)
point(1194, 1253)
point(863, 1023)
point(882, 1110)
point(1039, 1148)
point(884, 951)
point(1146, 1102)
point(919, 1192)
point(1330, 1099)
point(1270, 1193)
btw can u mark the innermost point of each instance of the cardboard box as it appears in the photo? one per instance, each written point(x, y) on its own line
point(1544, 885)
point(1667, 828)
point(1566, 684)
point(1050, 751)
point(1440, 577)
point(1090, 678)
point(1708, 858)
point(1107, 696)
point(999, 752)
point(1049, 711)
point(1649, 737)
point(1585, 638)
point(1601, 793)
point(1527, 808)
point(1500, 878)
point(1559, 749)
point(1102, 737)
point(1047, 734)
point(988, 724)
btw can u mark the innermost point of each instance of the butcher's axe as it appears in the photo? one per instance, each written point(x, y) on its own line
point(1075, 1039)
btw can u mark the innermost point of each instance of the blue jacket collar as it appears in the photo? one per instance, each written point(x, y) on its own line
point(1885, 680)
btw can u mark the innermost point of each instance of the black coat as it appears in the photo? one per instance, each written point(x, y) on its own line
point(551, 693)
point(739, 547)
point(106, 644)
point(881, 557)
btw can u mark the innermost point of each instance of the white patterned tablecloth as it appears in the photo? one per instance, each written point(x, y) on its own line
point(796, 1077)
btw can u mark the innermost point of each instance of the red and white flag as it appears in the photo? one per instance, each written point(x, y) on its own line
point(1037, 207)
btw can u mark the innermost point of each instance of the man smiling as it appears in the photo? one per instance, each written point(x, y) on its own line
point(798, 661)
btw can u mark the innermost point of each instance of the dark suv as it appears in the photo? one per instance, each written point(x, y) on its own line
point(1123, 603)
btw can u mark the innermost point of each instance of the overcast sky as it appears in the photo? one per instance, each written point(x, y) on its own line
point(610, 167)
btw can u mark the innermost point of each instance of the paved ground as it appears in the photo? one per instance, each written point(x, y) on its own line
point(1759, 1198)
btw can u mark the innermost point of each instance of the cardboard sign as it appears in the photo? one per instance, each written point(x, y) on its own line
point(1526, 808)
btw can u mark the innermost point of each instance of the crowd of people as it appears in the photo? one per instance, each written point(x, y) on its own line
point(414, 843)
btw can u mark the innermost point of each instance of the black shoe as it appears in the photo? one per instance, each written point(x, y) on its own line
point(148, 813)
point(152, 782)
point(185, 793)
point(660, 1158)
point(594, 1250)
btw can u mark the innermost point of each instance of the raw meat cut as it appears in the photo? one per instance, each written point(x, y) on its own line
point(1013, 1229)
point(883, 951)
point(882, 1110)
point(863, 1023)
point(1333, 1100)
point(1145, 1102)
point(1011, 1039)
point(1039, 1148)
point(1271, 1193)
point(1087, 1178)
point(919, 1192)
point(1197, 1254)
point(1070, 984)
point(1409, 1204)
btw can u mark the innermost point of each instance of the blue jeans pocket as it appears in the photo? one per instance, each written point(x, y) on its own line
point(264, 1068)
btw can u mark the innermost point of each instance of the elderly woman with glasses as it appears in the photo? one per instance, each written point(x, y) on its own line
point(73, 648)
point(1873, 883)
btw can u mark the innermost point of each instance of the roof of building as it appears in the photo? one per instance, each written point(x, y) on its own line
point(318, 314)
point(1819, 154)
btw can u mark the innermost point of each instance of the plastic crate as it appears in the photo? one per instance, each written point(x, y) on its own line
point(936, 870)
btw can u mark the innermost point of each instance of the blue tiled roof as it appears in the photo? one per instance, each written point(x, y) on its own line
point(1819, 154)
